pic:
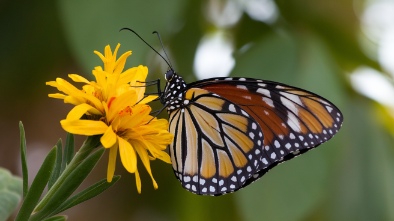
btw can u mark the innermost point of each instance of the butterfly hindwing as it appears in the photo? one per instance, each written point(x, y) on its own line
point(217, 145)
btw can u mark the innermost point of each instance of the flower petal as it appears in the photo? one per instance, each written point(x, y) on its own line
point(113, 152)
point(78, 111)
point(126, 99)
point(73, 100)
point(120, 63)
point(69, 89)
point(99, 74)
point(109, 138)
point(163, 156)
point(101, 56)
point(127, 155)
point(139, 147)
point(84, 127)
point(134, 74)
point(155, 149)
point(78, 78)
point(51, 83)
point(57, 96)
point(138, 181)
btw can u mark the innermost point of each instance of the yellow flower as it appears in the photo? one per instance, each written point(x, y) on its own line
point(114, 106)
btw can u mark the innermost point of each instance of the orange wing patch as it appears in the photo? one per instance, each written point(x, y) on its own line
point(264, 113)
point(322, 112)
point(208, 166)
point(191, 167)
point(225, 166)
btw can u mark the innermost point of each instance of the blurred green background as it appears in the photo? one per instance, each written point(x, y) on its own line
point(315, 44)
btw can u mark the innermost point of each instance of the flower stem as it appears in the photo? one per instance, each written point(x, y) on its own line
point(87, 147)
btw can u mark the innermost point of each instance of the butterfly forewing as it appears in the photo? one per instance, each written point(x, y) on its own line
point(293, 120)
point(217, 145)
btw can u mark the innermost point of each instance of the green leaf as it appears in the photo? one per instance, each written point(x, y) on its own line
point(56, 218)
point(10, 193)
point(86, 149)
point(38, 185)
point(25, 172)
point(68, 151)
point(57, 170)
point(68, 186)
point(8, 203)
point(87, 194)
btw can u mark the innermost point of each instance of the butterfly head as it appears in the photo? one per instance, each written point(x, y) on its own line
point(169, 75)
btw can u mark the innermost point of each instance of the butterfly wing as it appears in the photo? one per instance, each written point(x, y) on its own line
point(217, 146)
point(293, 120)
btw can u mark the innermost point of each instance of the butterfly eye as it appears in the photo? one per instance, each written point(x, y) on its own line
point(169, 74)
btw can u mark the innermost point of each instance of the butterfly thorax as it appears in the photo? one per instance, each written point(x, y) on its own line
point(174, 92)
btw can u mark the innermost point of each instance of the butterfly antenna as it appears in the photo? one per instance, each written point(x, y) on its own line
point(162, 46)
point(129, 29)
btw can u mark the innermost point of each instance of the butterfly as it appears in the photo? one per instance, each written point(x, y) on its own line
point(228, 132)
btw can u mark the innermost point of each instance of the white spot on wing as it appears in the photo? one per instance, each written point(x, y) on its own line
point(268, 101)
point(231, 107)
point(293, 122)
point(273, 155)
point(243, 87)
point(264, 92)
point(289, 103)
